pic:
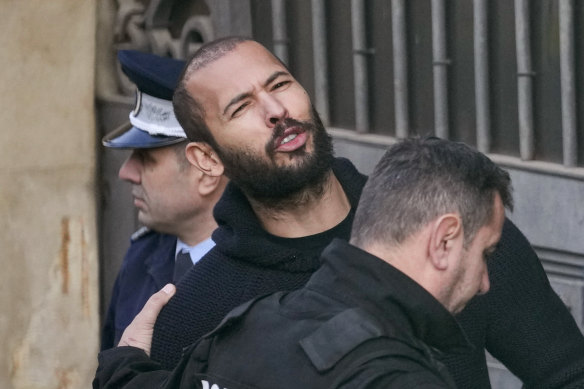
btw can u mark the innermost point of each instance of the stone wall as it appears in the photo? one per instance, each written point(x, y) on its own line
point(49, 321)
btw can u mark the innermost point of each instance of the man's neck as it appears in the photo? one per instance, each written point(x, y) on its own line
point(197, 230)
point(313, 211)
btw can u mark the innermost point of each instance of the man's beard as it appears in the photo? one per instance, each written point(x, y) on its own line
point(275, 186)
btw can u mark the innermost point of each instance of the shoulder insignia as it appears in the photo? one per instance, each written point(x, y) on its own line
point(140, 233)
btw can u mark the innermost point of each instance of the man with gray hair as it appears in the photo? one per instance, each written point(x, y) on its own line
point(429, 217)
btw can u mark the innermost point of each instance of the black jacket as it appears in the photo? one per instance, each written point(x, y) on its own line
point(358, 323)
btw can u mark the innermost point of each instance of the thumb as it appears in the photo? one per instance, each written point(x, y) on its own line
point(139, 332)
point(155, 303)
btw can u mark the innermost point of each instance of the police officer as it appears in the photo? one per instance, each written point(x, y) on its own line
point(173, 198)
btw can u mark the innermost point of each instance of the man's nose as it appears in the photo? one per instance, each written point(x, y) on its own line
point(130, 170)
point(274, 110)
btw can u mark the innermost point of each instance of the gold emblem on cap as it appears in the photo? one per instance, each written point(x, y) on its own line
point(138, 104)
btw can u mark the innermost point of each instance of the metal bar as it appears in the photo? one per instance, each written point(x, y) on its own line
point(321, 87)
point(279, 27)
point(481, 67)
point(524, 80)
point(360, 53)
point(568, 82)
point(400, 69)
point(440, 63)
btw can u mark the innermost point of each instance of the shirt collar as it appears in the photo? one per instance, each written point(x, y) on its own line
point(197, 251)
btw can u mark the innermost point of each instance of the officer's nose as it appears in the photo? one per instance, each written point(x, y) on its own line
point(274, 110)
point(130, 170)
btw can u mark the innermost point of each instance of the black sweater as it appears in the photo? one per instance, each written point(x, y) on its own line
point(521, 321)
point(246, 262)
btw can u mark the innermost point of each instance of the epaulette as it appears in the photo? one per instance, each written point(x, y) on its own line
point(140, 233)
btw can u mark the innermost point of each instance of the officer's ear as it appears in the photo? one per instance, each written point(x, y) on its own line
point(204, 158)
point(211, 186)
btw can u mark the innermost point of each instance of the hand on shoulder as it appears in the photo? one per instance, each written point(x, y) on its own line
point(139, 332)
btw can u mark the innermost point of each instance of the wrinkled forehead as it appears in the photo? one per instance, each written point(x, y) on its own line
point(241, 70)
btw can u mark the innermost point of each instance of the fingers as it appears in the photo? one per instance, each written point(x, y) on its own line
point(139, 332)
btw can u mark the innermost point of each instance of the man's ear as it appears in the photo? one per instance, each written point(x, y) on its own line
point(204, 158)
point(446, 240)
point(209, 184)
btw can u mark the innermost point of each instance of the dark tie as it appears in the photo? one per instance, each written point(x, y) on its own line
point(181, 265)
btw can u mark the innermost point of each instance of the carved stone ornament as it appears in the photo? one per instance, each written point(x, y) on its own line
point(172, 28)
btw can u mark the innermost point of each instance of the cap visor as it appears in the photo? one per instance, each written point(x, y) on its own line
point(130, 137)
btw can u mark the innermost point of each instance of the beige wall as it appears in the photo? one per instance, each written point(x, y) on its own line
point(49, 323)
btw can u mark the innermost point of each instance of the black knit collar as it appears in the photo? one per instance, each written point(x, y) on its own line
point(240, 235)
point(357, 277)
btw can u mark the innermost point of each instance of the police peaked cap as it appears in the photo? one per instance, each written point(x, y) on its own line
point(152, 122)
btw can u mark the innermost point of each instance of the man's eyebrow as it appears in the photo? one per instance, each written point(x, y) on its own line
point(245, 95)
point(274, 76)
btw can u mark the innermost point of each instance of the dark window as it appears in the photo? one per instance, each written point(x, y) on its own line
point(503, 78)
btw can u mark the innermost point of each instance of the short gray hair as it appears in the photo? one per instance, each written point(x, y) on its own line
point(419, 179)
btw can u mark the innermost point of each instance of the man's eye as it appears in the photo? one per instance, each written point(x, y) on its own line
point(239, 109)
point(140, 155)
point(145, 157)
point(280, 84)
